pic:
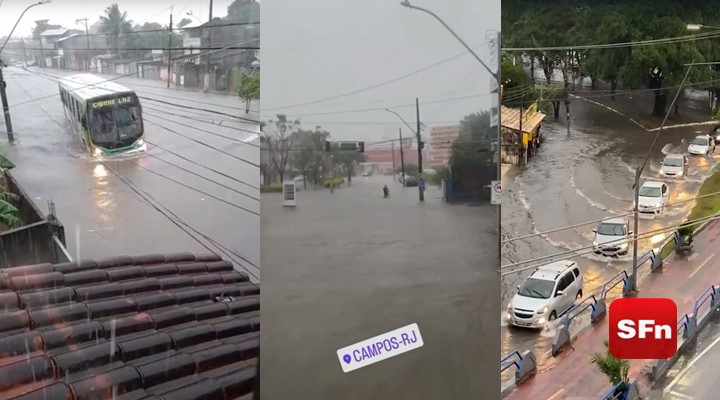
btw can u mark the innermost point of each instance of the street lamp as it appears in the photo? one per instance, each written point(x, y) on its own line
point(421, 195)
point(18, 21)
point(496, 76)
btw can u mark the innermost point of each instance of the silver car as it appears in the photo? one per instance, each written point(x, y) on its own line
point(612, 237)
point(674, 166)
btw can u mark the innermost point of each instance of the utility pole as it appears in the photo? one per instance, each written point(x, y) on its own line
point(170, 32)
point(421, 192)
point(5, 106)
point(402, 159)
point(499, 137)
point(209, 36)
point(22, 44)
point(87, 42)
point(392, 146)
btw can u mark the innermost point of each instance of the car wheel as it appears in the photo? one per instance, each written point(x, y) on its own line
point(552, 316)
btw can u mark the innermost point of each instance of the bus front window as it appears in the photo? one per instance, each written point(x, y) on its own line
point(116, 125)
point(128, 122)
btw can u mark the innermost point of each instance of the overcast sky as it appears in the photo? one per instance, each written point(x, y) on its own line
point(65, 12)
point(315, 49)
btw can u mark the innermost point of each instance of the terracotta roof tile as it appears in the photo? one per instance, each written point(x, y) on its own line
point(165, 327)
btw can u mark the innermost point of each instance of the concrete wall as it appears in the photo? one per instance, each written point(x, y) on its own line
point(40, 240)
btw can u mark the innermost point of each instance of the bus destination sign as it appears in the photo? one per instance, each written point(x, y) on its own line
point(112, 102)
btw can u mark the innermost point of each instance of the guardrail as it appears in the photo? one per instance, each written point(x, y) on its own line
point(596, 303)
point(525, 364)
point(623, 391)
point(690, 324)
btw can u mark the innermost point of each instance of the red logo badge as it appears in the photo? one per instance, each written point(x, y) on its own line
point(642, 329)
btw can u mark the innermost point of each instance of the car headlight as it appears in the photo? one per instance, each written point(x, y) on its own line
point(542, 310)
point(662, 172)
point(98, 152)
point(680, 173)
point(140, 142)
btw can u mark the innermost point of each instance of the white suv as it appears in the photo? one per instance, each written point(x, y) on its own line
point(546, 294)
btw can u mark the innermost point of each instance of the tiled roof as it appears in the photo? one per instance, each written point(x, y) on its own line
point(160, 327)
point(510, 118)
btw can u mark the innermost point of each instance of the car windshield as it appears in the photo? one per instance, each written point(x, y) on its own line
point(699, 141)
point(611, 229)
point(673, 162)
point(537, 288)
point(646, 191)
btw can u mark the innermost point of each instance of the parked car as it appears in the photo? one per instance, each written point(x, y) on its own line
point(653, 198)
point(546, 294)
point(702, 145)
point(674, 166)
point(19, 64)
point(410, 180)
point(715, 134)
point(612, 237)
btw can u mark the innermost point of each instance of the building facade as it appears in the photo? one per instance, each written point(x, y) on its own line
point(441, 144)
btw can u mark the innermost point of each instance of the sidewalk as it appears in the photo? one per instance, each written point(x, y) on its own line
point(571, 376)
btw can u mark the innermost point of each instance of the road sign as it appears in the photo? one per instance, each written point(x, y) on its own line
point(495, 193)
point(347, 146)
point(289, 195)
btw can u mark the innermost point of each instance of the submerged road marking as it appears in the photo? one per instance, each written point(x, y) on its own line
point(690, 364)
point(679, 395)
point(701, 265)
point(558, 393)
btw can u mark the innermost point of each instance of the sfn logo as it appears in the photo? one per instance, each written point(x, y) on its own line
point(642, 329)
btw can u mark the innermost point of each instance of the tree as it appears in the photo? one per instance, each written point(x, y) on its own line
point(474, 140)
point(243, 11)
point(280, 142)
point(348, 160)
point(309, 156)
point(249, 88)
point(614, 368)
point(410, 170)
point(114, 23)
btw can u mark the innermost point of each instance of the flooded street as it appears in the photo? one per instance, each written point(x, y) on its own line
point(587, 175)
point(200, 168)
point(350, 265)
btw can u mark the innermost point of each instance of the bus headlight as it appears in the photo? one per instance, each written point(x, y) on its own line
point(98, 152)
point(140, 143)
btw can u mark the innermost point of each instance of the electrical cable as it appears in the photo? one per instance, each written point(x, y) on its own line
point(197, 190)
point(209, 122)
point(357, 91)
point(178, 155)
point(670, 40)
point(627, 239)
point(205, 144)
point(201, 109)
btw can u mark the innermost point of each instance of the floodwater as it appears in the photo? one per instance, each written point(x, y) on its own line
point(195, 189)
point(351, 265)
point(585, 175)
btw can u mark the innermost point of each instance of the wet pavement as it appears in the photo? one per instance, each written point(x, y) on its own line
point(682, 279)
point(587, 175)
point(193, 147)
point(347, 266)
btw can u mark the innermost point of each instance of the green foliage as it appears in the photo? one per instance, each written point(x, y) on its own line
point(274, 188)
point(249, 88)
point(115, 23)
point(334, 182)
point(309, 156)
point(659, 66)
point(244, 11)
point(410, 169)
point(474, 140)
point(42, 26)
point(614, 368)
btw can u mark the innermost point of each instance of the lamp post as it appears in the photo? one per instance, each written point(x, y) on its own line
point(421, 195)
point(3, 94)
point(697, 27)
point(496, 77)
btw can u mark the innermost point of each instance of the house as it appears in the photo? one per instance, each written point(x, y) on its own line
point(74, 50)
point(48, 54)
point(154, 325)
point(520, 129)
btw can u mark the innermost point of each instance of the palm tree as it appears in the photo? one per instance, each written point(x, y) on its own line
point(114, 23)
point(614, 368)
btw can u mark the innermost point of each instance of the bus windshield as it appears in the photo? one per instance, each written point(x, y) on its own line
point(115, 122)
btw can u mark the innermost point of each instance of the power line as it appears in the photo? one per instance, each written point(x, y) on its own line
point(205, 144)
point(178, 155)
point(590, 249)
point(150, 48)
point(354, 92)
point(202, 109)
point(677, 39)
point(209, 123)
point(197, 190)
point(605, 219)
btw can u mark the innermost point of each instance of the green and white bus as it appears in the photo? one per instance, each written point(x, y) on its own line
point(106, 115)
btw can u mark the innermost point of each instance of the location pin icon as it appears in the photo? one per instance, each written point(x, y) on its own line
point(346, 358)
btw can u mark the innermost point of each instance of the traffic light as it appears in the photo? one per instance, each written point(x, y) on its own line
point(327, 146)
point(361, 147)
